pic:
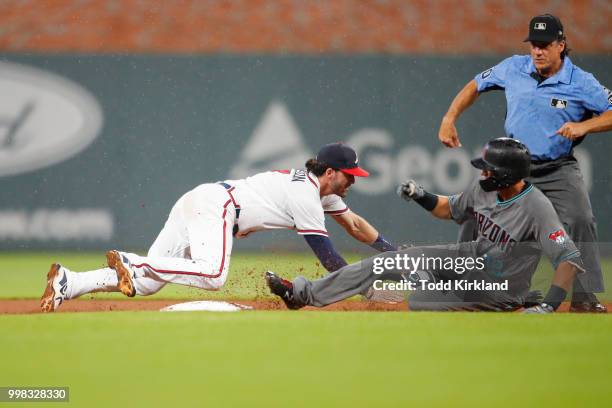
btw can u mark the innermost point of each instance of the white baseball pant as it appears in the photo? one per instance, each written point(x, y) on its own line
point(195, 245)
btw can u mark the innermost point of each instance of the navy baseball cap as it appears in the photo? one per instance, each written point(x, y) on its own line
point(545, 28)
point(341, 157)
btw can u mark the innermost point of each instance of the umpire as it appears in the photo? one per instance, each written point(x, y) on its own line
point(551, 105)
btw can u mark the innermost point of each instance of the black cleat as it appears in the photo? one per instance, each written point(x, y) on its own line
point(281, 288)
point(588, 307)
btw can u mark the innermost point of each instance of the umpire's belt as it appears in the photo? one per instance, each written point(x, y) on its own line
point(540, 168)
point(236, 205)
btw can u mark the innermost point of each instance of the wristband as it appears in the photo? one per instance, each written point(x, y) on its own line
point(428, 201)
point(555, 296)
point(382, 245)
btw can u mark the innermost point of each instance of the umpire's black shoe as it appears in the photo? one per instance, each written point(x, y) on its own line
point(588, 307)
point(281, 288)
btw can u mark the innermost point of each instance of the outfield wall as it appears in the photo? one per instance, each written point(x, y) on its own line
point(95, 149)
point(294, 26)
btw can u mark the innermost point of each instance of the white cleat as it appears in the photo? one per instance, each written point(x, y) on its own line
point(57, 286)
point(125, 275)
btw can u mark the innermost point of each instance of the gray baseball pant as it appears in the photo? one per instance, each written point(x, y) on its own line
point(358, 277)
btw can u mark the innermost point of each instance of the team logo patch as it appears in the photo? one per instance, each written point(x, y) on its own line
point(558, 103)
point(557, 236)
point(609, 92)
point(539, 26)
point(486, 74)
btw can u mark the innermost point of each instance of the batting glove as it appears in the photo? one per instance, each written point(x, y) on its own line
point(533, 298)
point(542, 308)
point(410, 190)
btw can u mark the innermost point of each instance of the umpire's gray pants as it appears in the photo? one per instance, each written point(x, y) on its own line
point(561, 181)
point(358, 277)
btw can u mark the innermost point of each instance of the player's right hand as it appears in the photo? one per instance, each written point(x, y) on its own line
point(533, 298)
point(410, 190)
point(448, 133)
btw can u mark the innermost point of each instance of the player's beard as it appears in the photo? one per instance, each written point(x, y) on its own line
point(340, 189)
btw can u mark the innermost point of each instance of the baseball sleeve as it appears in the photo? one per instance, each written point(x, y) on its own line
point(307, 214)
point(462, 204)
point(597, 98)
point(494, 77)
point(333, 205)
point(552, 238)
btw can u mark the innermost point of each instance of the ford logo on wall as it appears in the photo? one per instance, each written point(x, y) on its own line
point(44, 118)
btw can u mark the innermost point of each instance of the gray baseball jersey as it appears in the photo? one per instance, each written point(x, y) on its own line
point(512, 235)
point(515, 232)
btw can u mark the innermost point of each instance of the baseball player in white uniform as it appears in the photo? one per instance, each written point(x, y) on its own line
point(194, 247)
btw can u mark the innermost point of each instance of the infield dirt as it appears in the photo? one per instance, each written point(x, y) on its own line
point(28, 306)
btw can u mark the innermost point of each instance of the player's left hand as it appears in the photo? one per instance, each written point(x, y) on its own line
point(410, 190)
point(572, 130)
point(542, 308)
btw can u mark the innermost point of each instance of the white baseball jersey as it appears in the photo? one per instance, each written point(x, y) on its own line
point(283, 199)
point(194, 247)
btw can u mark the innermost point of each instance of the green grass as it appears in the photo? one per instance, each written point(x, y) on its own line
point(297, 358)
point(312, 359)
point(24, 274)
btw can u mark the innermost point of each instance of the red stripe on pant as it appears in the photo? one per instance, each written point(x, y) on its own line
point(229, 191)
point(196, 273)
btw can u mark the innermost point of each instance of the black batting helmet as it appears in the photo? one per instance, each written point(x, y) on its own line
point(509, 161)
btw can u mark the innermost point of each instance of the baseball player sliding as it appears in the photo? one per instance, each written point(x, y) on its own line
point(195, 245)
point(551, 105)
point(516, 222)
